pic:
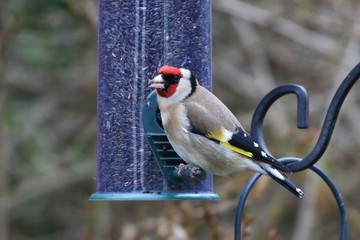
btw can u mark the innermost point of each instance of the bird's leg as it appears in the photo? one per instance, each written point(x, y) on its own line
point(190, 172)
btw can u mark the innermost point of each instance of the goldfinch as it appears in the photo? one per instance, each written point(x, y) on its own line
point(204, 132)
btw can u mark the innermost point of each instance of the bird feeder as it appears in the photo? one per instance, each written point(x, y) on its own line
point(135, 159)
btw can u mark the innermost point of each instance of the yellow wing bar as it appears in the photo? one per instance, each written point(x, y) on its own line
point(238, 150)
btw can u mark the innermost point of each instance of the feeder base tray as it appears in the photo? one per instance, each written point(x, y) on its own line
point(153, 196)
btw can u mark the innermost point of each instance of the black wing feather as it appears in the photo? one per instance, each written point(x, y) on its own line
point(244, 141)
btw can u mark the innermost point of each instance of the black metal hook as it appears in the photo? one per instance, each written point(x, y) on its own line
point(329, 122)
point(296, 164)
point(269, 99)
point(303, 113)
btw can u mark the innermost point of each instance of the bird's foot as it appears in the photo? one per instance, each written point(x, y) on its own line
point(190, 172)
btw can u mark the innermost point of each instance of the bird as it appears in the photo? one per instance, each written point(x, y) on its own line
point(205, 133)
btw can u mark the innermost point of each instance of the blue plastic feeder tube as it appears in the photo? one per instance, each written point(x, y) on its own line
point(137, 37)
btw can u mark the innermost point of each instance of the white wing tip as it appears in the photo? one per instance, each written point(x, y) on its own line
point(300, 192)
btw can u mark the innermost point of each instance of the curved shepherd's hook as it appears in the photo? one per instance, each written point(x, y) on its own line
point(296, 164)
point(269, 99)
point(303, 112)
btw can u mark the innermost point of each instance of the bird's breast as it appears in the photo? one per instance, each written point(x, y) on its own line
point(174, 119)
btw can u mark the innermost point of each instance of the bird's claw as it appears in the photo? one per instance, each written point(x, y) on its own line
point(190, 172)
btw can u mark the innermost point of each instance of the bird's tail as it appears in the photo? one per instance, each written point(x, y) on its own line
point(284, 181)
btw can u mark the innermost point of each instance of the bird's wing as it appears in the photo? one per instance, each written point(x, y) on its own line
point(241, 140)
point(216, 126)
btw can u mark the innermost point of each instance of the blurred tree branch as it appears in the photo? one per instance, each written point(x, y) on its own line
point(86, 8)
point(262, 17)
point(55, 180)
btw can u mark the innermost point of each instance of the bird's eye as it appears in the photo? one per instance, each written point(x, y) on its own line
point(176, 78)
point(171, 79)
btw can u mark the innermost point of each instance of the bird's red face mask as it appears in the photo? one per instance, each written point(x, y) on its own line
point(167, 81)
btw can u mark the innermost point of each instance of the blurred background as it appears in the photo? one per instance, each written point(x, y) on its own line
point(48, 87)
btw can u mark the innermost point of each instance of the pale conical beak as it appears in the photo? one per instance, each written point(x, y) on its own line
point(157, 82)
